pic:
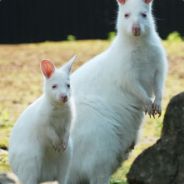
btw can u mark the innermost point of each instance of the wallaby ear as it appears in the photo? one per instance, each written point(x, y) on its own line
point(121, 1)
point(47, 68)
point(148, 1)
point(68, 66)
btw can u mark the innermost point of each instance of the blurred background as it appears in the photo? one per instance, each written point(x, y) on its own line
point(40, 20)
point(33, 30)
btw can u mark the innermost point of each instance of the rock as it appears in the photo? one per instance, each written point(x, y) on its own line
point(163, 163)
point(2, 151)
point(10, 178)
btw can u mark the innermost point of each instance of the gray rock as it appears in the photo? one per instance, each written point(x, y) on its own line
point(163, 163)
point(10, 178)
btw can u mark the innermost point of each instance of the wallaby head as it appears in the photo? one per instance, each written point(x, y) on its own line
point(135, 17)
point(57, 81)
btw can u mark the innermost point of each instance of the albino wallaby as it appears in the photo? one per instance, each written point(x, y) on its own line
point(116, 89)
point(40, 147)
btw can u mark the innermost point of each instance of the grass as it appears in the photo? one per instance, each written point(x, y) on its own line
point(21, 83)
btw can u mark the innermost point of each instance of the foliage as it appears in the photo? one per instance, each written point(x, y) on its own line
point(71, 38)
point(118, 182)
point(111, 36)
point(174, 37)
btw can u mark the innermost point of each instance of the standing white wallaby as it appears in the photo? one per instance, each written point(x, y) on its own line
point(40, 146)
point(116, 88)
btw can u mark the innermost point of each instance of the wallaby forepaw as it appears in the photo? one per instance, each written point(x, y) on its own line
point(157, 110)
point(153, 109)
point(148, 108)
point(60, 147)
point(64, 146)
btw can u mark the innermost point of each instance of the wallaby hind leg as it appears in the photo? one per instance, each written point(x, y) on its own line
point(100, 180)
point(29, 173)
point(28, 181)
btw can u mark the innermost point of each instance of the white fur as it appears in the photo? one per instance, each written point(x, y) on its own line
point(112, 92)
point(37, 143)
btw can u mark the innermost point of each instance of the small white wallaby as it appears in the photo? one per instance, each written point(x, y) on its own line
point(40, 147)
point(116, 89)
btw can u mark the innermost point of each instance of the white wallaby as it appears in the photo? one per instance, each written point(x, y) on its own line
point(116, 88)
point(40, 147)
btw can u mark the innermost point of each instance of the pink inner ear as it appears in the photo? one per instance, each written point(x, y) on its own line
point(147, 1)
point(47, 68)
point(122, 1)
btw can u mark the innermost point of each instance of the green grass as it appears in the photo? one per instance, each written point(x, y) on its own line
point(21, 83)
point(4, 162)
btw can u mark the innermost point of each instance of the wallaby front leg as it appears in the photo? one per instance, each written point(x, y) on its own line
point(137, 90)
point(54, 139)
point(66, 136)
point(158, 91)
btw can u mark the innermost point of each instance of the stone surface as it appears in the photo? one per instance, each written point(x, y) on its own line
point(163, 163)
point(9, 178)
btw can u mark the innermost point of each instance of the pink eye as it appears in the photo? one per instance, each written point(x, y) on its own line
point(143, 15)
point(54, 86)
point(127, 15)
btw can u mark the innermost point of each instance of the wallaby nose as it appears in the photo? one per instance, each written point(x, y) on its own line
point(136, 30)
point(64, 98)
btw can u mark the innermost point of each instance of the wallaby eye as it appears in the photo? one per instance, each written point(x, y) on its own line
point(54, 86)
point(127, 15)
point(143, 15)
point(68, 85)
